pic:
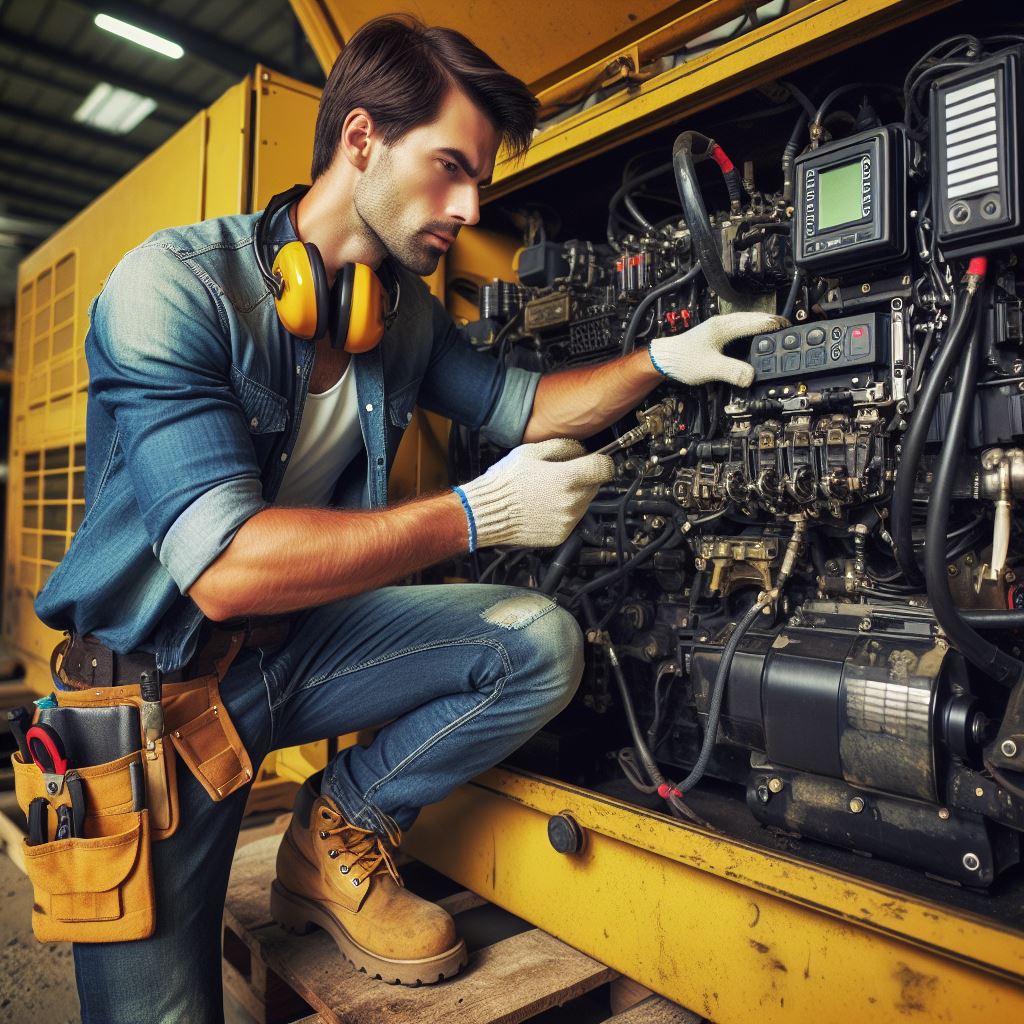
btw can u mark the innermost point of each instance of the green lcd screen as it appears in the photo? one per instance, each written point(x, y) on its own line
point(839, 196)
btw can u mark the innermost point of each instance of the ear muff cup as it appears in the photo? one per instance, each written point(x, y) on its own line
point(357, 309)
point(304, 300)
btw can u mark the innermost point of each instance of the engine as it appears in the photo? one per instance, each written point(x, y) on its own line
point(807, 588)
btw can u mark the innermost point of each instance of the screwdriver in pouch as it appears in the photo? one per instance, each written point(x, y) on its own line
point(19, 721)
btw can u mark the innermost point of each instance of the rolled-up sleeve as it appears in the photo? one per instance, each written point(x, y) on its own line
point(473, 388)
point(159, 364)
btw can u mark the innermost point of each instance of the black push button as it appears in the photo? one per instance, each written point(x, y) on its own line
point(790, 362)
point(815, 357)
point(765, 345)
point(766, 364)
point(815, 336)
point(790, 341)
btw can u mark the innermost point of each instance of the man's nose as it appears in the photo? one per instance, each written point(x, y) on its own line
point(465, 204)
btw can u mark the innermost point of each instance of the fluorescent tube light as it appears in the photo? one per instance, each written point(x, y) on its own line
point(139, 35)
point(114, 110)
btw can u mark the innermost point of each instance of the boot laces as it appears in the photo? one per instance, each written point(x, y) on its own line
point(371, 850)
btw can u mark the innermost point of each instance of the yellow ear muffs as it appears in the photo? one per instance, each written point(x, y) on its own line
point(303, 303)
point(357, 309)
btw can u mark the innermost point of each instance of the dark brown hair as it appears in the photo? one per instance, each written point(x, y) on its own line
point(400, 71)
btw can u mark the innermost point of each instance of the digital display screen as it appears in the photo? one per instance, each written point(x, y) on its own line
point(839, 195)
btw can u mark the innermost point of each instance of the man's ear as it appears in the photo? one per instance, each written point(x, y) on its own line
point(357, 137)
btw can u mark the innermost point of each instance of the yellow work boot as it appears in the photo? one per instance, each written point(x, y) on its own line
point(341, 877)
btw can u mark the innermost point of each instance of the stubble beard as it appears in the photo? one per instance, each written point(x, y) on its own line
point(375, 203)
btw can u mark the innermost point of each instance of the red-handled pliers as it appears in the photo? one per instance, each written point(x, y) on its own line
point(47, 750)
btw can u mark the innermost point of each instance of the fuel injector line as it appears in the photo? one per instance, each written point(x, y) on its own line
point(916, 435)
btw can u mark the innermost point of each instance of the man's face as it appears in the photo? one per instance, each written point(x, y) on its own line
point(417, 194)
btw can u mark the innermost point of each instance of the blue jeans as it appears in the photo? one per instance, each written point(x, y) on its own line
point(463, 674)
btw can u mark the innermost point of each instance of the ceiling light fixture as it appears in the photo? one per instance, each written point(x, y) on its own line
point(114, 110)
point(139, 36)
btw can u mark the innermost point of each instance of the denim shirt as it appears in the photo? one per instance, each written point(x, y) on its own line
point(195, 400)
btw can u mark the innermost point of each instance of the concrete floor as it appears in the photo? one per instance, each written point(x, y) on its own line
point(37, 981)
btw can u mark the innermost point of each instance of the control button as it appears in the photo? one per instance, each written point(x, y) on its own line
point(815, 336)
point(766, 364)
point(765, 345)
point(959, 213)
point(790, 341)
point(860, 342)
point(836, 352)
point(790, 362)
point(814, 357)
point(990, 209)
point(837, 334)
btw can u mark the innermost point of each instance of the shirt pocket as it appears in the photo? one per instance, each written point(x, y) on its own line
point(402, 403)
point(266, 412)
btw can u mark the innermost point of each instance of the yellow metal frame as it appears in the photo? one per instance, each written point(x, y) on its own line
point(725, 928)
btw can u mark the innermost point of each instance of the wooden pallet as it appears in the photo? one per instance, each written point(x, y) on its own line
point(515, 971)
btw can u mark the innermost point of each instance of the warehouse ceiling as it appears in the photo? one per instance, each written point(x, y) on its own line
point(52, 57)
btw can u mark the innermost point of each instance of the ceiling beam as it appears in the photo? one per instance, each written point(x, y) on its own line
point(30, 225)
point(22, 196)
point(230, 59)
point(23, 163)
point(96, 72)
point(130, 150)
point(53, 157)
point(46, 82)
point(33, 185)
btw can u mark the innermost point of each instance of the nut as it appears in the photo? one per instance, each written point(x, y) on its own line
point(971, 861)
point(1009, 748)
point(856, 805)
point(944, 814)
point(775, 785)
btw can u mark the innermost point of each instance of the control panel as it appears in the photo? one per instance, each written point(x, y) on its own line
point(828, 346)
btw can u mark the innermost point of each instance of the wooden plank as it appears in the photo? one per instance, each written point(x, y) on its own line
point(655, 1010)
point(505, 983)
point(11, 837)
point(247, 906)
point(460, 901)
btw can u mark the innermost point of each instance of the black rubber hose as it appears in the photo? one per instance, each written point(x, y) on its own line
point(631, 186)
point(994, 662)
point(608, 578)
point(901, 509)
point(794, 291)
point(993, 618)
point(629, 338)
point(789, 156)
point(702, 241)
point(562, 562)
point(717, 697)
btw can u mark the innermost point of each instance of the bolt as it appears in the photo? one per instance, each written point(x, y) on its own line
point(865, 288)
point(944, 814)
point(979, 791)
point(952, 570)
point(856, 805)
point(1010, 576)
point(801, 314)
point(762, 793)
point(1009, 748)
point(775, 785)
point(971, 861)
point(864, 625)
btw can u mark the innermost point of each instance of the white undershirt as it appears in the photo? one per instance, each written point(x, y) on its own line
point(329, 438)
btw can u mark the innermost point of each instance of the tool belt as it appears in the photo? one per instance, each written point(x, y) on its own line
point(93, 879)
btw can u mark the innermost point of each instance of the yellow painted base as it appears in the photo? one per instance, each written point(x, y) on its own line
point(722, 927)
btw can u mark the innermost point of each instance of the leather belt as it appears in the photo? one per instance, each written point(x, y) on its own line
point(88, 662)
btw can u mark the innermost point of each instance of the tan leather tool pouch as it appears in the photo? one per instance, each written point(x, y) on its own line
point(196, 726)
point(97, 886)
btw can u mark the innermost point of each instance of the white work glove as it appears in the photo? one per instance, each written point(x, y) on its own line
point(696, 356)
point(535, 495)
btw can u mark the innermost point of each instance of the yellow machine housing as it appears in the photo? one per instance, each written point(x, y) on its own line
point(718, 924)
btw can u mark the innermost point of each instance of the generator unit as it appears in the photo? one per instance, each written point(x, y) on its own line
point(799, 740)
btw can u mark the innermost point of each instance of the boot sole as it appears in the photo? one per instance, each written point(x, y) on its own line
point(299, 916)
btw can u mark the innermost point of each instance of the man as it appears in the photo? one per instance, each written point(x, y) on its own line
point(236, 471)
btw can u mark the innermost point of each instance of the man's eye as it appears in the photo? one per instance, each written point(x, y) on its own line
point(449, 166)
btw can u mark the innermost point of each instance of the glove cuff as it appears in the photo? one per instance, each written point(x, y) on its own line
point(650, 351)
point(490, 510)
